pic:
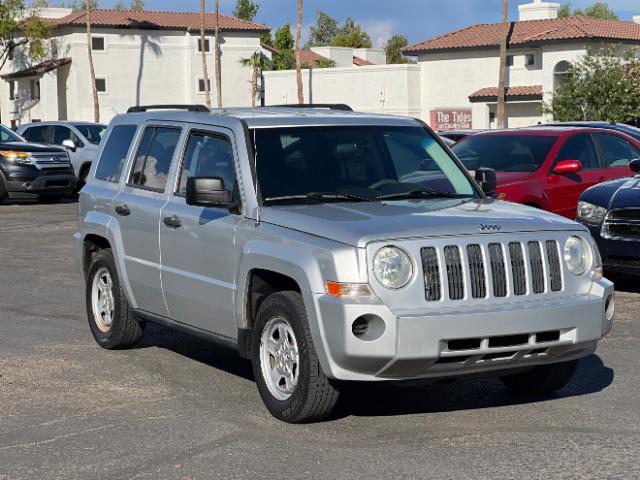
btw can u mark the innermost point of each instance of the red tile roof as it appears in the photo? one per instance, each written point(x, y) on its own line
point(309, 58)
point(361, 62)
point(150, 19)
point(531, 91)
point(531, 31)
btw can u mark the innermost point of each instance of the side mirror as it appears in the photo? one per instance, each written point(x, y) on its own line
point(488, 181)
point(209, 192)
point(69, 144)
point(634, 165)
point(567, 166)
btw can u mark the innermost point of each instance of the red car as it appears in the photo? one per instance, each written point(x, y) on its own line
point(549, 167)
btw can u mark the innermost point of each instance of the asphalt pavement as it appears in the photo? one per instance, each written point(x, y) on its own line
point(179, 408)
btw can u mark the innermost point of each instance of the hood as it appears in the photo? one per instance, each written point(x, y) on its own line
point(627, 195)
point(30, 147)
point(360, 223)
point(507, 178)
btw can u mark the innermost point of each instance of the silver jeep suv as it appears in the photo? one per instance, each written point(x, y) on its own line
point(329, 246)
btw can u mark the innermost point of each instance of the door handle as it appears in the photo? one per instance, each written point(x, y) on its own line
point(123, 210)
point(172, 222)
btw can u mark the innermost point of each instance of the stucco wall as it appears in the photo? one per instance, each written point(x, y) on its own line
point(392, 89)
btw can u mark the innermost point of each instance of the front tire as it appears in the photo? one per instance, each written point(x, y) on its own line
point(285, 364)
point(542, 379)
point(111, 319)
point(3, 191)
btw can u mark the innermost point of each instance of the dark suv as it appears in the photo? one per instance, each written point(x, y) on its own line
point(28, 169)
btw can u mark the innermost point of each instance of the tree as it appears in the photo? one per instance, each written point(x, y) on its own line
point(137, 5)
point(324, 63)
point(298, 60)
point(13, 33)
point(258, 63)
point(352, 35)
point(120, 5)
point(216, 54)
point(393, 49)
point(205, 70)
point(324, 32)
point(597, 10)
point(602, 85)
point(285, 59)
point(246, 10)
point(502, 73)
point(90, 5)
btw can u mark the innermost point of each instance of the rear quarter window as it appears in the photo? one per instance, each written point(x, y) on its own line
point(114, 154)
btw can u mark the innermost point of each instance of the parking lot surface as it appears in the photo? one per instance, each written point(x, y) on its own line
point(177, 407)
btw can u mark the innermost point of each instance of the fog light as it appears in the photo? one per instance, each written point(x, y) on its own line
point(368, 327)
point(610, 307)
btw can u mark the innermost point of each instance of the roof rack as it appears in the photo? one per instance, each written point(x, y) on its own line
point(189, 108)
point(329, 106)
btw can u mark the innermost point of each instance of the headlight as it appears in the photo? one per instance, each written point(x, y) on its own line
point(590, 213)
point(576, 255)
point(18, 157)
point(392, 267)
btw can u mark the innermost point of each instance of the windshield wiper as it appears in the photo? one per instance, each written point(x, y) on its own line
point(421, 193)
point(319, 197)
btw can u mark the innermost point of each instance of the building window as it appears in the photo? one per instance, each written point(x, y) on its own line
point(509, 61)
point(97, 43)
point(560, 72)
point(530, 60)
point(34, 87)
point(10, 54)
point(54, 48)
point(101, 85)
point(12, 90)
point(207, 45)
point(201, 87)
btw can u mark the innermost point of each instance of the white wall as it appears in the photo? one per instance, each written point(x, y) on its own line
point(392, 89)
point(140, 67)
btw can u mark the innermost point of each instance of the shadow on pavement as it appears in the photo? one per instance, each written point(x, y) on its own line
point(386, 399)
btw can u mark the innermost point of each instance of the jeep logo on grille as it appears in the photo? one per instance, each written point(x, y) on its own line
point(490, 228)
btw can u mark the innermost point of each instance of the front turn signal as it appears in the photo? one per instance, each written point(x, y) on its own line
point(349, 290)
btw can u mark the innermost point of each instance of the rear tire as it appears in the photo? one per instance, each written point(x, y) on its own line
point(542, 379)
point(111, 319)
point(3, 191)
point(285, 364)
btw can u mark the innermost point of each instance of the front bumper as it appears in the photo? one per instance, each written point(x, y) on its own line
point(618, 256)
point(41, 182)
point(466, 341)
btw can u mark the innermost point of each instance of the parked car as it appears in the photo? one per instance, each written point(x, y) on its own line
point(618, 127)
point(457, 135)
point(549, 167)
point(330, 247)
point(28, 170)
point(611, 210)
point(81, 139)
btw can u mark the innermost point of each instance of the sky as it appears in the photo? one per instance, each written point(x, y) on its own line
point(417, 19)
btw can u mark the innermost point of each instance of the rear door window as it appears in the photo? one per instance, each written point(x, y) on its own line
point(37, 134)
point(115, 152)
point(153, 160)
point(580, 147)
point(616, 151)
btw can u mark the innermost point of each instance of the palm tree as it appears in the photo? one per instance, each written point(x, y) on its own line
point(501, 114)
point(205, 70)
point(96, 104)
point(258, 62)
point(298, 62)
point(216, 55)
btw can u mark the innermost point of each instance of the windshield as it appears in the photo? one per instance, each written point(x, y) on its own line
point(355, 163)
point(93, 133)
point(504, 153)
point(7, 135)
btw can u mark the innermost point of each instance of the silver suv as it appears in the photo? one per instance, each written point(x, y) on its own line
point(330, 246)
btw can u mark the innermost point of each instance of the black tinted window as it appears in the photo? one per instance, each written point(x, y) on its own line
point(581, 148)
point(37, 134)
point(153, 159)
point(7, 135)
point(616, 151)
point(504, 153)
point(208, 155)
point(115, 152)
point(93, 133)
point(60, 133)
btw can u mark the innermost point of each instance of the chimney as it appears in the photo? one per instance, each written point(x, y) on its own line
point(538, 10)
